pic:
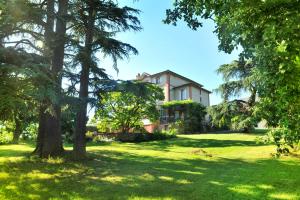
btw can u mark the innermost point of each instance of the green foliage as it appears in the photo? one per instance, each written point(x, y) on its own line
point(194, 114)
point(220, 115)
point(94, 26)
point(194, 121)
point(123, 110)
point(30, 132)
point(285, 139)
point(174, 129)
point(5, 137)
point(68, 116)
point(268, 32)
point(6, 132)
point(105, 126)
point(170, 104)
point(234, 115)
point(238, 76)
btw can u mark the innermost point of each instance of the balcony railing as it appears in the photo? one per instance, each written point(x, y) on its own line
point(168, 119)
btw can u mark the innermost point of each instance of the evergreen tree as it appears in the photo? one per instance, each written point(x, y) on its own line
point(238, 76)
point(29, 26)
point(94, 25)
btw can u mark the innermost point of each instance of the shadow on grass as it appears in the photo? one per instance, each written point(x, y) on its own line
point(115, 175)
point(5, 153)
point(197, 143)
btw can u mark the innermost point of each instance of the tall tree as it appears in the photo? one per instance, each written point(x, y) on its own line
point(268, 32)
point(125, 108)
point(238, 76)
point(29, 25)
point(94, 25)
point(49, 141)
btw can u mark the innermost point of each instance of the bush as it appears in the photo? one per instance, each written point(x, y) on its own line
point(163, 135)
point(6, 135)
point(30, 132)
point(285, 139)
point(176, 128)
point(132, 137)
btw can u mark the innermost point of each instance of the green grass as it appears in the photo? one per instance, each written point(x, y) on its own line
point(236, 168)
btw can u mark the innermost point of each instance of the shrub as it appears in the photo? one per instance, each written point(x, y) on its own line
point(132, 137)
point(165, 134)
point(285, 139)
point(123, 110)
point(174, 128)
point(30, 132)
point(6, 135)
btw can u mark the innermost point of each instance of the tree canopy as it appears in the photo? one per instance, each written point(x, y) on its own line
point(268, 32)
point(124, 109)
point(46, 42)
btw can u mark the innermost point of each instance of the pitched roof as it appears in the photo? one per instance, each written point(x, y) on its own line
point(182, 77)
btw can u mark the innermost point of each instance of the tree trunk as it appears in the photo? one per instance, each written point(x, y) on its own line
point(79, 148)
point(251, 103)
point(81, 118)
point(40, 137)
point(18, 130)
point(252, 98)
point(49, 142)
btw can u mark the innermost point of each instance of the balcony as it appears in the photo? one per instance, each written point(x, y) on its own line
point(168, 119)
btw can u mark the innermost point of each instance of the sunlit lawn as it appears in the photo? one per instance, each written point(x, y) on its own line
point(232, 166)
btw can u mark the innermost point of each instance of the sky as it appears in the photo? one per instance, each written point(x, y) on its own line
point(193, 54)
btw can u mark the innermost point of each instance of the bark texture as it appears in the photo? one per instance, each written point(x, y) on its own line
point(81, 115)
point(49, 141)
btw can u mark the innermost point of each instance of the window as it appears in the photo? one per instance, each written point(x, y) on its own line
point(200, 99)
point(183, 94)
point(157, 80)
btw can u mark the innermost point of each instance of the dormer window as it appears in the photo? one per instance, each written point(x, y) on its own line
point(157, 80)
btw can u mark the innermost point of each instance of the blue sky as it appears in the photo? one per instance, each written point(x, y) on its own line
point(193, 54)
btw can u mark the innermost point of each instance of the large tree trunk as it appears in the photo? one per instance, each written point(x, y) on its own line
point(41, 131)
point(79, 148)
point(49, 142)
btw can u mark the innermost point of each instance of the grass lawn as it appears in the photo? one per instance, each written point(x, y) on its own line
point(210, 166)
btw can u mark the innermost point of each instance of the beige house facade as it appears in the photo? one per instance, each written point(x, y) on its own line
point(176, 87)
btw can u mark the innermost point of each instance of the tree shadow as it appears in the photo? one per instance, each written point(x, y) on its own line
point(123, 175)
point(197, 143)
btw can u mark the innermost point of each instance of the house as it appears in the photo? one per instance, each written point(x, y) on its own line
point(175, 87)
